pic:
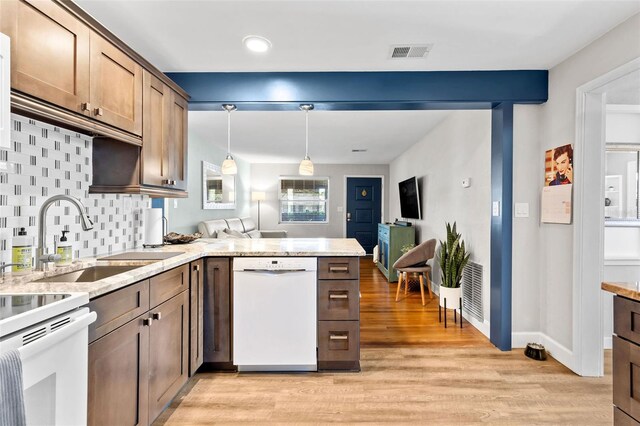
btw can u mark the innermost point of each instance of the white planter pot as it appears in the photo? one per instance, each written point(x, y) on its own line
point(452, 295)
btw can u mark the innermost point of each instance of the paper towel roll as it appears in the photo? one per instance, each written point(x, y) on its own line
point(153, 226)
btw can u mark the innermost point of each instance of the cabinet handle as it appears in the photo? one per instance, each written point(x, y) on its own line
point(338, 269)
point(156, 316)
point(338, 296)
point(196, 268)
point(168, 182)
point(99, 112)
point(85, 106)
point(147, 322)
point(338, 337)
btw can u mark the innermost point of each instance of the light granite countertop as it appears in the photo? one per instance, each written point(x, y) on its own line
point(628, 290)
point(299, 247)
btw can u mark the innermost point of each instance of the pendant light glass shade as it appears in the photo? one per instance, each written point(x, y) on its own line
point(229, 166)
point(306, 166)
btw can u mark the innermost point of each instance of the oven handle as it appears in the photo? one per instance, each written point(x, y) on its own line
point(57, 336)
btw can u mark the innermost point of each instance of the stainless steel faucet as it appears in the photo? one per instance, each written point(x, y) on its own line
point(41, 254)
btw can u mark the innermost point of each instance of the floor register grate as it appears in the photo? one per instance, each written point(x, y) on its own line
point(472, 290)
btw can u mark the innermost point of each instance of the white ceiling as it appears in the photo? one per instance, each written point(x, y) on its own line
point(348, 35)
point(278, 137)
point(352, 35)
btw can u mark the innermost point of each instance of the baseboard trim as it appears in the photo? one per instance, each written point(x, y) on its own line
point(482, 326)
point(559, 352)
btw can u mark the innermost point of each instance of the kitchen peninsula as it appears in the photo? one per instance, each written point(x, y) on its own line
point(626, 350)
point(160, 320)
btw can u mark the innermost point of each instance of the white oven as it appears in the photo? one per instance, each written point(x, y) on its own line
point(54, 355)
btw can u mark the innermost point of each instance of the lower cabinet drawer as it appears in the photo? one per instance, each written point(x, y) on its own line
point(626, 376)
point(338, 300)
point(338, 268)
point(164, 286)
point(338, 344)
point(118, 308)
point(626, 318)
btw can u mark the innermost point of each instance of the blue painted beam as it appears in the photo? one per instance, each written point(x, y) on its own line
point(501, 224)
point(364, 90)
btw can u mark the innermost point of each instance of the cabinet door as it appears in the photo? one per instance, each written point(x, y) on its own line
point(169, 349)
point(155, 134)
point(196, 311)
point(49, 52)
point(178, 141)
point(116, 86)
point(118, 376)
point(217, 311)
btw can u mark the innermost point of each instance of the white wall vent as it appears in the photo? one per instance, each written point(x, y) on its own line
point(472, 290)
point(410, 51)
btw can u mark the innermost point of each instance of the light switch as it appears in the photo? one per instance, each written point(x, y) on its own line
point(522, 209)
point(496, 208)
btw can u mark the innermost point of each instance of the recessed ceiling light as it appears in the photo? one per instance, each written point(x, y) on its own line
point(256, 43)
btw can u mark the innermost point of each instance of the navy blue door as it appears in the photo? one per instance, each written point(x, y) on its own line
point(364, 210)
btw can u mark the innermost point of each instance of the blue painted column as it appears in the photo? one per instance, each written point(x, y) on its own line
point(501, 223)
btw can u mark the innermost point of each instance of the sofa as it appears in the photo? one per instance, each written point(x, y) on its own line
point(236, 228)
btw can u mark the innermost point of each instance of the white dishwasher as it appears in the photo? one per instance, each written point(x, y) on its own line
point(274, 313)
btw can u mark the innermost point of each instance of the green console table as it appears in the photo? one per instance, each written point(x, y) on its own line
point(391, 238)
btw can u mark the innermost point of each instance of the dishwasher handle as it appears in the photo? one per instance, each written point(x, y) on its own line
point(274, 271)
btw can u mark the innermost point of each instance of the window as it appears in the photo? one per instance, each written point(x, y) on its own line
point(304, 199)
point(621, 182)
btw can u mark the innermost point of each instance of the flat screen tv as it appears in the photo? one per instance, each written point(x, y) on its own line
point(409, 199)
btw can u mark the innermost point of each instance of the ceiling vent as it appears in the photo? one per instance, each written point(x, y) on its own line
point(413, 51)
point(358, 150)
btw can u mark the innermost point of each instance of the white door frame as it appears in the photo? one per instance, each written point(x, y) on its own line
point(588, 232)
point(344, 191)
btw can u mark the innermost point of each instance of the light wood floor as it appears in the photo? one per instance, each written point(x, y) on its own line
point(412, 372)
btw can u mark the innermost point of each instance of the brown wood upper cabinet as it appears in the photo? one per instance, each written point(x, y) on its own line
point(164, 136)
point(57, 58)
point(49, 52)
point(116, 86)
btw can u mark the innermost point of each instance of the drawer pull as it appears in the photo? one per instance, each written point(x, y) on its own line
point(156, 316)
point(338, 337)
point(168, 182)
point(99, 112)
point(338, 296)
point(85, 106)
point(147, 322)
point(338, 269)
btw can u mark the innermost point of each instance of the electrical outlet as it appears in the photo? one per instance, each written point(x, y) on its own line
point(466, 182)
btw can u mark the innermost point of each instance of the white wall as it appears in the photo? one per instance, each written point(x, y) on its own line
point(623, 124)
point(458, 148)
point(265, 177)
point(557, 127)
point(189, 212)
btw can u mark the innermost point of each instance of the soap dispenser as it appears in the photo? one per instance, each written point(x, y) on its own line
point(22, 253)
point(65, 250)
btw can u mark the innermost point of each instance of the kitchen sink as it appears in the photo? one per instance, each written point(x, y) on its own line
point(88, 275)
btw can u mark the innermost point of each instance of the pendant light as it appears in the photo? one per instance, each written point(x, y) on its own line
point(229, 166)
point(306, 166)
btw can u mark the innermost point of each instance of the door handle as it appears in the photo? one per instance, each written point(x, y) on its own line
point(348, 216)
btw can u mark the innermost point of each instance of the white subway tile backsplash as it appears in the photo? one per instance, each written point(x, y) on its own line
point(45, 160)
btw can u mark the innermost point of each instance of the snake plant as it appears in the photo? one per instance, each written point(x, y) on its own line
point(453, 258)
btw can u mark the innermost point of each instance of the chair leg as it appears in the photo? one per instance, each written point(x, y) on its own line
point(422, 289)
point(429, 285)
point(399, 285)
point(406, 283)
